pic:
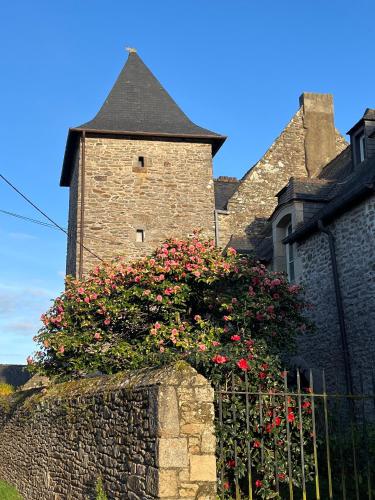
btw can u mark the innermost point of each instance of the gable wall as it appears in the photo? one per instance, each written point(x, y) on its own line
point(255, 198)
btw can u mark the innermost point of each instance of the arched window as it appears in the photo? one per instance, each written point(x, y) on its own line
point(284, 254)
point(289, 254)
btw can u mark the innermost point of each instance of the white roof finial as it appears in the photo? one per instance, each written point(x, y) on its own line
point(131, 50)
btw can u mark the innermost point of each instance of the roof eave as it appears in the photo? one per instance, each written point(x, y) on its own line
point(216, 140)
point(338, 208)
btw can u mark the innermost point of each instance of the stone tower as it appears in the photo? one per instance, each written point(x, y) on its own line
point(138, 173)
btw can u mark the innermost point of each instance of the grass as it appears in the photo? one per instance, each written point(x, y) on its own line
point(8, 492)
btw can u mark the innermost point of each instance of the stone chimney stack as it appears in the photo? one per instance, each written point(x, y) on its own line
point(320, 134)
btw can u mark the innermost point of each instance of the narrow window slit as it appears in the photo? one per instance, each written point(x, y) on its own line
point(140, 236)
point(141, 161)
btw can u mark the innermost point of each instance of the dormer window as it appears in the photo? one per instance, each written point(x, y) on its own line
point(361, 148)
point(289, 255)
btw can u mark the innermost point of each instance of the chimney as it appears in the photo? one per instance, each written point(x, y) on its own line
point(320, 133)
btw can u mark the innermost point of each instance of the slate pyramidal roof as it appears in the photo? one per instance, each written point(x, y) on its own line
point(138, 105)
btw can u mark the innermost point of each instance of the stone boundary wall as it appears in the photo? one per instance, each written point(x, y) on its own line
point(148, 434)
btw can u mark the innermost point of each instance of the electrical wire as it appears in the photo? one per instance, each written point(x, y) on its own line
point(45, 215)
point(28, 219)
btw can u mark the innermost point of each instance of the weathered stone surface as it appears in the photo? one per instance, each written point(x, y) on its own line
point(354, 233)
point(173, 452)
point(255, 198)
point(170, 197)
point(128, 429)
point(202, 468)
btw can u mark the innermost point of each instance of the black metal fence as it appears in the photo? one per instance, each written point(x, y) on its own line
point(295, 443)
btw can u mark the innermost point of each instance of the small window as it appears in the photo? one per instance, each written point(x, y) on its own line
point(361, 146)
point(140, 236)
point(141, 161)
point(289, 254)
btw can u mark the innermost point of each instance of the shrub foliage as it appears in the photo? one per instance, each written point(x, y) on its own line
point(223, 313)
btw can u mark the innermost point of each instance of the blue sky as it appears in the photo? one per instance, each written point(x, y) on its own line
point(234, 66)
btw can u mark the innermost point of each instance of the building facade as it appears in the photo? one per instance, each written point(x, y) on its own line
point(141, 172)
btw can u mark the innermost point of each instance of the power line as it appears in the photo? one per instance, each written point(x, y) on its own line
point(28, 219)
point(45, 215)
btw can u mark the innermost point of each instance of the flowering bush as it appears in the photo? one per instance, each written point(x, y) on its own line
point(223, 313)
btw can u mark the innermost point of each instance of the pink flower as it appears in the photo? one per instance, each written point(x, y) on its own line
point(97, 336)
point(231, 251)
point(197, 317)
point(243, 364)
point(174, 331)
point(234, 300)
point(87, 299)
point(107, 321)
point(159, 298)
point(152, 262)
point(227, 318)
point(275, 282)
point(271, 309)
point(259, 316)
point(61, 349)
point(153, 331)
point(147, 292)
point(215, 343)
point(157, 325)
point(219, 359)
point(202, 347)
point(93, 296)
point(235, 338)
point(81, 291)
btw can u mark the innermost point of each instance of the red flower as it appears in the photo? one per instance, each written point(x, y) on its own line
point(258, 483)
point(262, 375)
point(243, 364)
point(291, 417)
point(235, 337)
point(306, 404)
point(231, 463)
point(226, 485)
point(219, 359)
point(256, 444)
point(281, 476)
point(277, 420)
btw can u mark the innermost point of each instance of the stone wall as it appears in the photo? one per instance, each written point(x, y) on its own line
point(169, 197)
point(255, 199)
point(147, 434)
point(354, 233)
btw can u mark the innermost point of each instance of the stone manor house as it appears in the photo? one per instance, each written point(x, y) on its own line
point(141, 171)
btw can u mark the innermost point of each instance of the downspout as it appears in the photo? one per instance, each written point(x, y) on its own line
point(82, 205)
point(340, 307)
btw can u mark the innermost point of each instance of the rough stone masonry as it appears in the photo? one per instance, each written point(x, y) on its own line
point(148, 434)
